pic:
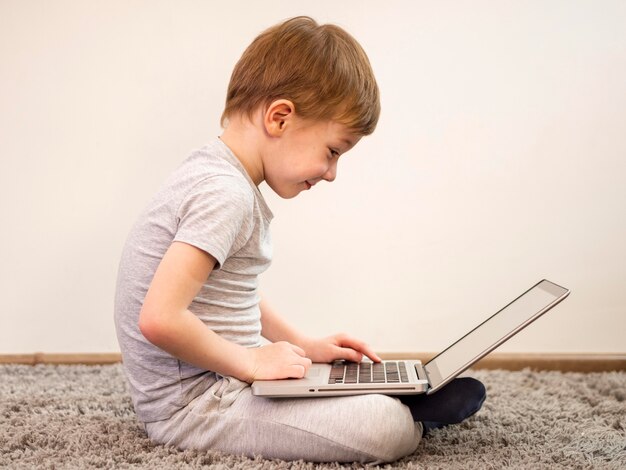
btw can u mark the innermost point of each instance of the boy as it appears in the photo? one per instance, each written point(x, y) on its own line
point(188, 313)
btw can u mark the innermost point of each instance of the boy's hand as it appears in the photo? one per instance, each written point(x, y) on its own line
point(281, 360)
point(339, 346)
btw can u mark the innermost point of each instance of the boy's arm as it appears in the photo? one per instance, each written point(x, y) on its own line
point(275, 328)
point(340, 346)
point(166, 322)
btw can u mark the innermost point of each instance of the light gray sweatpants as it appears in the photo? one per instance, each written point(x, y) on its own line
point(228, 418)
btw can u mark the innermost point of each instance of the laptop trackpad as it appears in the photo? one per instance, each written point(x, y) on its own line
point(313, 372)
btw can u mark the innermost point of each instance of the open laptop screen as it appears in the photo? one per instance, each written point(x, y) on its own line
point(493, 332)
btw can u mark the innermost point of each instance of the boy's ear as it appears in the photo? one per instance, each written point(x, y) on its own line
point(278, 116)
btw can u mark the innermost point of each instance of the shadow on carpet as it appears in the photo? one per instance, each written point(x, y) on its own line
point(82, 417)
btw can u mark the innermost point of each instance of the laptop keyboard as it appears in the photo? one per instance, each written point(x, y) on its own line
point(368, 372)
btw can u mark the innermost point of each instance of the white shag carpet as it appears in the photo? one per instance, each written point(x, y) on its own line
point(81, 417)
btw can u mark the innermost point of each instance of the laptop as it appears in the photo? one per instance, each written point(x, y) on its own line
point(411, 377)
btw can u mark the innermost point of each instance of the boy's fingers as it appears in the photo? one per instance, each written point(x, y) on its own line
point(299, 370)
point(304, 362)
point(360, 347)
point(349, 354)
point(371, 354)
point(296, 371)
point(298, 350)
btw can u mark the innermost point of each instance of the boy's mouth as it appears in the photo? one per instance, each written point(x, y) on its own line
point(308, 185)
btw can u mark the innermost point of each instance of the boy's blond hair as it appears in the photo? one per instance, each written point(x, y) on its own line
point(320, 68)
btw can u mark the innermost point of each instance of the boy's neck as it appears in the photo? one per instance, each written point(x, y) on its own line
point(243, 139)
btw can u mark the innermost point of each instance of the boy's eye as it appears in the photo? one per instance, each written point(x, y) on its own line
point(333, 153)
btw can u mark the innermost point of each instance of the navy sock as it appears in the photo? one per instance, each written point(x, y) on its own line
point(455, 402)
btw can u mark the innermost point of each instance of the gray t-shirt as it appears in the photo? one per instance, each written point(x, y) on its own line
point(209, 202)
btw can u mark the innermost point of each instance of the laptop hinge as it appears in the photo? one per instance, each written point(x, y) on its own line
point(421, 372)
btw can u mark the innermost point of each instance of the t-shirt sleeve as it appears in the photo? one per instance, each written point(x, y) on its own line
point(215, 216)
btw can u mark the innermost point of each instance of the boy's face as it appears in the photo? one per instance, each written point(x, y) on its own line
point(305, 154)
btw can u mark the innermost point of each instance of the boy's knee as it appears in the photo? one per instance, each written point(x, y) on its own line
point(389, 433)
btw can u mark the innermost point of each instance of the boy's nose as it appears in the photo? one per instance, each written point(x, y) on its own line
point(331, 174)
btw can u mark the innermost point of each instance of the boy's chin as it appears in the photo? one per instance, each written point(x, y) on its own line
point(287, 193)
point(290, 195)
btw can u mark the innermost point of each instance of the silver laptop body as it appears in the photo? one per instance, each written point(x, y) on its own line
point(410, 377)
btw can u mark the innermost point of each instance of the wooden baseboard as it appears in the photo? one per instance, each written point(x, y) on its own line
point(61, 358)
point(564, 362)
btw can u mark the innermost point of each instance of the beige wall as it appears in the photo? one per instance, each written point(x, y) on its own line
point(499, 160)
